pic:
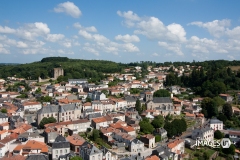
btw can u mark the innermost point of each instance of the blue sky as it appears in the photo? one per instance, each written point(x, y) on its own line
point(120, 31)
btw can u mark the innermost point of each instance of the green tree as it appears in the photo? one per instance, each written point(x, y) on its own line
point(4, 110)
point(95, 134)
point(138, 106)
point(206, 155)
point(60, 78)
point(222, 117)
point(158, 122)
point(219, 101)
point(227, 110)
point(38, 90)
point(46, 120)
point(161, 93)
point(146, 127)
point(230, 150)
point(209, 107)
point(157, 138)
point(88, 99)
point(76, 158)
point(218, 134)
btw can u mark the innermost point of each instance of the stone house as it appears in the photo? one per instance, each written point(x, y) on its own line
point(148, 140)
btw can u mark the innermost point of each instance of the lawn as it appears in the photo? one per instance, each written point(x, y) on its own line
point(194, 154)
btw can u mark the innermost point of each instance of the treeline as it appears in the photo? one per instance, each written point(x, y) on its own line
point(73, 68)
point(207, 82)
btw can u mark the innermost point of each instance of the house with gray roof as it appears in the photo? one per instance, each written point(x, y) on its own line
point(59, 112)
point(164, 153)
point(216, 124)
point(206, 133)
point(90, 152)
point(3, 118)
point(136, 146)
point(60, 147)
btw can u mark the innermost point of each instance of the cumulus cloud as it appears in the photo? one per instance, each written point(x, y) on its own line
point(21, 44)
point(85, 34)
point(89, 29)
point(217, 28)
point(54, 37)
point(91, 50)
point(67, 44)
point(69, 8)
point(155, 55)
point(3, 50)
point(32, 30)
point(129, 47)
point(6, 30)
point(130, 18)
point(127, 38)
point(176, 48)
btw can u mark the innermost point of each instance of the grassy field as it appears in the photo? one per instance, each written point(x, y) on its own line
point(235, 68)
point(194, 154)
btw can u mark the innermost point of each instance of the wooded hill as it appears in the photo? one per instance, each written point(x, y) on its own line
point(213, 78)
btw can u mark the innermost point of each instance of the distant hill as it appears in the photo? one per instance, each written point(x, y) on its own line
point(7, 64)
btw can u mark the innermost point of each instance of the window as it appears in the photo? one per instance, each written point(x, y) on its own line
point(62, 114)
point(61, 151)
point(57, 156)
point(65, 150)
point(56, 151)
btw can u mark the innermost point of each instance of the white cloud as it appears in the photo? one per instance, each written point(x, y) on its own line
point(3, 50)
point(205, 45)
point(174, 47)
point(89, 29)
point(67, 44)
point(155, 55)
point(177, 32)
point(91, 50)
point(85, 34)
point(234, 33)
point(54, 37)
point(6, 30)
point(153, 28)
point(231, 57)
point(21, 44)
point(217, 28)
point(68, 8)
point(32, 30)
point(130, 18)
point(129, 47)
point(127, 38)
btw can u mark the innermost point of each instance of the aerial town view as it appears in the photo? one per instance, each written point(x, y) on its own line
point(120, 80)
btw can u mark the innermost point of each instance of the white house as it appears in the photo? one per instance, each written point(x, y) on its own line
point(32, 106)
point(206, 133)
point(216, 124)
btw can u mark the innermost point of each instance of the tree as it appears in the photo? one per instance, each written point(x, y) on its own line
point(209, 107)
point(161, 93)
point(4, 110)
point(76, 158)
point(222, 117)
point(158, 122)
point(46, 120)
point(38, 90)
point(230, 150)
point(138, 106)
point(95, 134)
point(219, 101)
point(227, 110)
point(157, 138)
point(146, 127)
point(88, 99)
point(218, 134)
